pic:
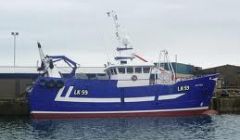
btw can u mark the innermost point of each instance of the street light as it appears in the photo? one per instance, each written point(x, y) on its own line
point(15, 34)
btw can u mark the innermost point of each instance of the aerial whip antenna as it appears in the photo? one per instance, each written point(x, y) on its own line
point(123, 39)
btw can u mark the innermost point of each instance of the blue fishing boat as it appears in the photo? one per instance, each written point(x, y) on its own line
point(132, 87)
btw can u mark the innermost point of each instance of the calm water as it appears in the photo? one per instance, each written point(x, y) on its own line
point(201, 127)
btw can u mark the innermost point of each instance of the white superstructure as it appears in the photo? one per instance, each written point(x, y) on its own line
point(132, 70)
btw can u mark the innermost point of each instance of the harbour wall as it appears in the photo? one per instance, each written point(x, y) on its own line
point(13, 92)
point(13, 86)
point(226, 105)
point(226, 101)
point(14, 107)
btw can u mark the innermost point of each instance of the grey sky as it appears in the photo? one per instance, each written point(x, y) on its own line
point(205, 33)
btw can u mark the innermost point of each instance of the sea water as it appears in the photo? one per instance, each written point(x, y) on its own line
point(157, 128)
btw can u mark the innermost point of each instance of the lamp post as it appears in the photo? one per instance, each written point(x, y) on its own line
point(15, 34)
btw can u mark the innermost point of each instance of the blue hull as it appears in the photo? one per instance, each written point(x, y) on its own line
point(102, 98)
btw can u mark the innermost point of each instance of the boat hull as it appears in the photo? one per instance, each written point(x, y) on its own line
point(104, 99)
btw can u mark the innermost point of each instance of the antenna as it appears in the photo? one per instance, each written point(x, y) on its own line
point(122, 38)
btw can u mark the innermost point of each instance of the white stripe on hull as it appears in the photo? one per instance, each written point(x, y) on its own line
point(67, 98)
point(139, 99)
point(172, 96)
point(89, 100)
point(132, 111)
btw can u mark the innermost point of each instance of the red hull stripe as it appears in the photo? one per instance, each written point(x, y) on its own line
point(116, 115)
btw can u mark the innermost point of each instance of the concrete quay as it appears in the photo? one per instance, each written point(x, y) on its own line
point(14, 107)
point(227, 101)
point(227, 105)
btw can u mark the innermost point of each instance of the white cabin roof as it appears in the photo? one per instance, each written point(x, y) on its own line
point(130, 65)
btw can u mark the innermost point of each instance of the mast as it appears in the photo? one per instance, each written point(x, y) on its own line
point(166, 63)
point(123, 40)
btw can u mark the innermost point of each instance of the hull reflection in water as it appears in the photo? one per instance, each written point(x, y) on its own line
point(198, 127)
point(128, 128)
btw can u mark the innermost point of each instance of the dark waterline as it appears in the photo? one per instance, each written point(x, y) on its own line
point(198, 127)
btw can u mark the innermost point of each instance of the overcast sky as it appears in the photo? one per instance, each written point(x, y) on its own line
point(204, 33)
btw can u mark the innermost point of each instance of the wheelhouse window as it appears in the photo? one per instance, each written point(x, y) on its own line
point(121, 70)
point(138, 70)
point(108, 72)
point(113, 71)
point(146, 69)
point(123, 62)
point(129, 70)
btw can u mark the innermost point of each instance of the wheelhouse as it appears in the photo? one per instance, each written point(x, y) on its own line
point(129, 72)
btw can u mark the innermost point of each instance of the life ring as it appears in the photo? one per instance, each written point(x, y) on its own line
point(134, 78)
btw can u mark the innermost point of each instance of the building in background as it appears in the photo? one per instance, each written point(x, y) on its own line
point(229, 75)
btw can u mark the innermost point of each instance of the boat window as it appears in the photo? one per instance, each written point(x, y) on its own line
point(115, 71)
point(123, 62)
point(129, 70)
point(138, 70)
point(91, 76)
point(111, 70)
point(108, 72)
point(121, 70)
point(101, 74)
point(146, 69)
